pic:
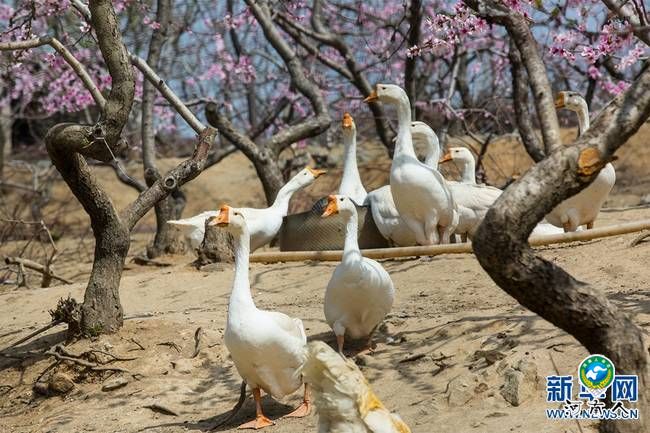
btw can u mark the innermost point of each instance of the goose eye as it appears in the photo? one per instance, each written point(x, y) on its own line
point(341, 199)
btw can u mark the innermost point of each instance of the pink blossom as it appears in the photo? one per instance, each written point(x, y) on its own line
point(593, 72)
point(632, 57)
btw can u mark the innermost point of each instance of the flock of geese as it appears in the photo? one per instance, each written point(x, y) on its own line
point(420, 206)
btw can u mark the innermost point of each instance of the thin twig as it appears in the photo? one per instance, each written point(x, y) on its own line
point(33, 334)
point(197, 341)
point(134, 341)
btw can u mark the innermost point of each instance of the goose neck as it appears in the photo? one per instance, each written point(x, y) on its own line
point(351, 252)
point(433, 152)
point(404, 144)
point(281, 203)
point(468, 171)
point(350, 168)
point(240, 297)
point(583, 117)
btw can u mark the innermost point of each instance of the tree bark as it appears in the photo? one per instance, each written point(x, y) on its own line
point(520, 101)
point(502, 249)
point(68, 145)
point(519, 31)
point(410, 70)
point(5, 136)
point(218, 246)
point(166, 240)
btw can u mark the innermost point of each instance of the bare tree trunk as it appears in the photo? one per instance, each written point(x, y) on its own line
point(68, 144)
point(519, 31)
point(502, 248)
point(410, 70)
point(520, 102)
point(167, 240)
point(263, 159)
point(6, 122)
point(218, 246)
point(171, 207)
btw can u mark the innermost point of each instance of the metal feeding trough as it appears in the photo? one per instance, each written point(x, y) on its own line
point(309, 231)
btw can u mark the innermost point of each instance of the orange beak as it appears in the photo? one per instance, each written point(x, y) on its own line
point(222, 219)
point(316, 172)
point(559, 100)
point(332, 208)
point(348, 121)
point(446, 157)
point(372, 97)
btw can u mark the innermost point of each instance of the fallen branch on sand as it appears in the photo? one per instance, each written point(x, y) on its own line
point(34, 266)
point(464, 248)
point(33, 334)
point(60, 353)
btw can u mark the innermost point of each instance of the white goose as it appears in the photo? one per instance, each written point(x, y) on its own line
point(473, 200)
point(360, 293)
point(382, 206)
point(351, 185)
point(419, 191)
point(267, 347)
point(464, 160)
point(583, 207)
point(263, 224)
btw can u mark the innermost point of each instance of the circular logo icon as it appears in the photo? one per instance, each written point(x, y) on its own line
point(596, 373)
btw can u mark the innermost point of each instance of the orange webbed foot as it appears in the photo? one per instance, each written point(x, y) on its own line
point(258, 423)
point(301, 411)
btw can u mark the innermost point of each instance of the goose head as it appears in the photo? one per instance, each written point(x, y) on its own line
point(460, 155)
point(229, 219)
point(348, 125)
point(570, 100)
point(338, 204)
point(388, 93)
point(423, 133)
point(307, 176)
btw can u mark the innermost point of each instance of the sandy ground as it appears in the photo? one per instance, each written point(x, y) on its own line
point(447, 309)
point(440, 357)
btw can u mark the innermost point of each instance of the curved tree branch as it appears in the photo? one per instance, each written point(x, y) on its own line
point(353, 72)
point(264, 154)
point(640, 28)
point(120, 99)
point(501, 246)
point(517, 26)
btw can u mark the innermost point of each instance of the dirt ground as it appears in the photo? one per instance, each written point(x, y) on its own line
point(441, 356)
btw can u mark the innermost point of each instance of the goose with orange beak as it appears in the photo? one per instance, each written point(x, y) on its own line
point(420, 193)
point(360, 292)
point(351, 185)
point(382, 206)
point(263, 224)
point(267, 347)
point(582, 208)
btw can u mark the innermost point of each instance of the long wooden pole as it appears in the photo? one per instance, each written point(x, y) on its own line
point(464, 248)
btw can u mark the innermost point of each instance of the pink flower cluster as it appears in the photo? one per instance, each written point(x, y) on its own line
point(446, 30)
